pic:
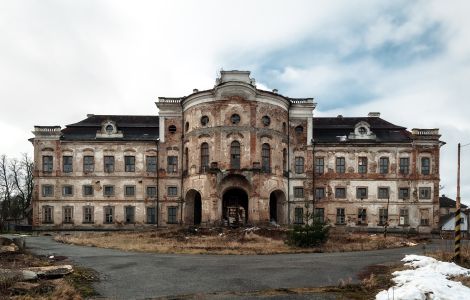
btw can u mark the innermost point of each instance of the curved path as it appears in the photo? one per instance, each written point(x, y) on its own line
point(132, 275)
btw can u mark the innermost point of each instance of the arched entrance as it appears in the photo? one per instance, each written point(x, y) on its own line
point(235, 207)
point(276, 202)
point(193, 208)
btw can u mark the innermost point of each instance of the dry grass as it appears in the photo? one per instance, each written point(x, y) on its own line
point(224, 241)
point(446, 255)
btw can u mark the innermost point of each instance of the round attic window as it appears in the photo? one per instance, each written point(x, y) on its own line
point(266, 120)
point(172, 128)
point(235, 119)
point(299, 129)
point(109, 129)
point(204, 120)
point(362, 130)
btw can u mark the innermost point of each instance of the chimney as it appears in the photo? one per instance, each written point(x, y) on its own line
point(374, 115)
point(275, 91)
point(195, 90)
point(340, 116)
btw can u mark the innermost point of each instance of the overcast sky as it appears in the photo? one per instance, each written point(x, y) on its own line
point(409, 60)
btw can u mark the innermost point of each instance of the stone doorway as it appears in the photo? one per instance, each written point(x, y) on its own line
point(193, 208)
point(235, 207)
point(276, 204)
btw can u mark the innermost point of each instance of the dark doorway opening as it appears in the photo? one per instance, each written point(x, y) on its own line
point(235, 207)
point(197, 209)
point(273, 208)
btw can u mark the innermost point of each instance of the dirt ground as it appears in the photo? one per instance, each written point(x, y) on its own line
point(238, 241)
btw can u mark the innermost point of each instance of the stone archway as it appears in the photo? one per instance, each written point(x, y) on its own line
point(276, 206)
point(193, 208)
point(235, 207)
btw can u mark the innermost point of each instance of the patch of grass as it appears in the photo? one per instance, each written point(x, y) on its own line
point(82, 280)
point(446, 255)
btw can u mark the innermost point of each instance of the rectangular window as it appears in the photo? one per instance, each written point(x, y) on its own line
point(340, 193)
point(151, 162)
point(172, 191)
point(383, 193)
point(129, 190)
point(47, 190)
point(299, 165)
point(108, 214)
point(404, 193)
point(108, 190)
point(424, 193)
point(68, 214)
point(383, 165)
point(425, 166)
point(67, 190)
point(129, 163)
point(87, 190)
point(340, 165)
point(319, 215)
point(362, 165)
point(404, 219)
point(88, 163)
point(172, 164)
point(151, 216)
point(67, 164)
point(361, 216)
point(47, 163)
point(383, 216)
point(424, 217)
point(320, 193)
point(109, 164)
point(129, 214)
point(172, 212)
point(151, 191)
point(298, 215)
point(88, 212)
point(319, 165)
point(47, 214)
point(340, 216)
point(404, 166)
point(298, 192)
point(361, 193)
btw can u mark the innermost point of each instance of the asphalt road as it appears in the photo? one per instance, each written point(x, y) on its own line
point(131, 275)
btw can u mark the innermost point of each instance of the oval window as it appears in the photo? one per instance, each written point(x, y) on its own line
point(266, 120)
point(299, 129)
point(204, 120)
point(235, 119)
point(109, 129)
point(362, 130)
point(172, 128)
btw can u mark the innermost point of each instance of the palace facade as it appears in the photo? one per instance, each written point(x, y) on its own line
point(235, 155)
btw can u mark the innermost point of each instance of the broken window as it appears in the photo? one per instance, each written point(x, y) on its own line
point(319, 215)
point(172, 164)
point(108, 214)
point(67, 190)
point(340, 192)
point(68, 214)
point(129, 214)
point(340, 216)
point(47, 190)
point(320, 193)
point(151, 191)
point(109, 164)
point(266, 158)
point(47, 163)
point(383, 193)
point(424, 217)
point(404, 219)
point(361, 193)
point(47, 214)
point(298, 215)
point(151, 163)
point(172, 191)
point(340, 165)
point(361, 216)
point(319, 165)
point(425, 165)
point(404, 193)
point(404, 166)
point(383, 216)
point(299, 165)
point(204, 157)
point(266, 120)
point(88, 214)
point(67, 164)
point(129, 190)
point(383, 165)
point(108, 190)
point(424, 193)
point(88, 163)
point(151, 216)
point(235, 155)
point(362, 165)
point(298, 192)
point(235, 118)
point(129, 163)
point(172, 212)
point(204, 120)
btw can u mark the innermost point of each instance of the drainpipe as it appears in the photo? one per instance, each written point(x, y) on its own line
point(288, 163)
point(313, 177)
point(157, 215)
point(182, 160)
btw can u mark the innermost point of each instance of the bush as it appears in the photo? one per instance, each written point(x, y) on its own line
point(308, 235)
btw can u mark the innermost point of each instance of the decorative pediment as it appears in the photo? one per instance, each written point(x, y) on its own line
point(362, 132)
point(109, 130)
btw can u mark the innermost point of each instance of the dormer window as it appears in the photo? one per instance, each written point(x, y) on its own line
point(109, 129)
point(362, 130)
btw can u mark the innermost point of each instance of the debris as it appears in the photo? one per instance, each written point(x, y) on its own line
point(10, 248)
point(52, 271)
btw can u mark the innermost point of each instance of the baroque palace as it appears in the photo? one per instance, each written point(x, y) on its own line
point(235, 155)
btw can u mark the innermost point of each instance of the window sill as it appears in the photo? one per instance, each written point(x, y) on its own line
point(340, 224)
point(88, 222)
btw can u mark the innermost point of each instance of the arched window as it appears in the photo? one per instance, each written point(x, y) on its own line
point(186, 159)
point(204, 157)
point(266, 158)
point(284, 160)
point(235, 155)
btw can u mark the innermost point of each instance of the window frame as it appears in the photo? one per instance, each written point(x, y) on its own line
point(108, 186)
point(44, 187)
point(128, 188)
point(90, 213)
point(338, 195)
point(87, 166)
point(340, 165)
point(84, 187)
point(172, 215)
point(384, 165)
point(172, 191)
point(130, 208)
point(340, 216)
point(64, 189)
point(235, 157)
point(204, 157)
point(319, 215)
point(172, 164)
point(109, 214)
point(151, 163)
point(298, 215)
point(425, 167)
point(426, 196)
point(358, 196)
point(129, 163)
point(404, 169)
point(109, 163)
point(299, 192)
point(320, 193)
point(67, 163)
point(47, 214)
point(149, 195)
point(319, 167)
point(383, 216)
point(362, 216)
point(362, 165)
point(47, 163)
point(299, 164)
point(406, 218)
point(401, 194)
point(67, 214)
point(381, 194)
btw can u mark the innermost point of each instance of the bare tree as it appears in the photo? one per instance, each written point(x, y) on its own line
point(6, 188)
point(22, 173)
